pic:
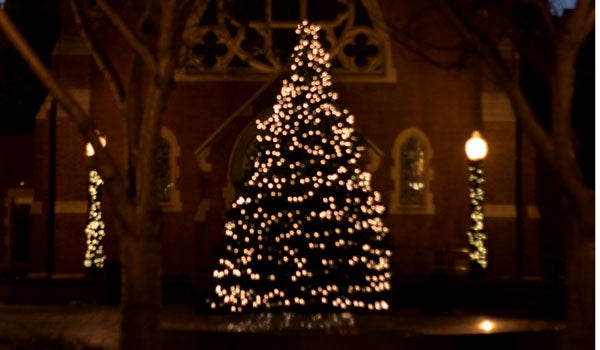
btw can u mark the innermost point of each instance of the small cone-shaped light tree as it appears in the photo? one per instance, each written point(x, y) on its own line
point(94, 231)
point(305, 231)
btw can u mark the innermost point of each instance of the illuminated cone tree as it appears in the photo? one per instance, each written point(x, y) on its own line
point(94, 231)
point(305, 231)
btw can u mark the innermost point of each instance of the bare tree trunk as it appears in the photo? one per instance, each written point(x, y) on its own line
point(137, 209)
point(141, 282)
point(580, 271)
point(577, 200)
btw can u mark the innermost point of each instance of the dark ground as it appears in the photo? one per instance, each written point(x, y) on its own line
point(429, 313)
point(96, 327)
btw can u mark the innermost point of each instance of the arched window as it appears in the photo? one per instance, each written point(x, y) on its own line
point(411, 174)
point(168, 171)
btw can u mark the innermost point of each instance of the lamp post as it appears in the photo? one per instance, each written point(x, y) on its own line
point(476, 149)
point(94, 230)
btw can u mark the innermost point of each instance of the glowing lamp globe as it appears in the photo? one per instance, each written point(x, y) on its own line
point(486, 325)
point(476, 147)
point(89, 149)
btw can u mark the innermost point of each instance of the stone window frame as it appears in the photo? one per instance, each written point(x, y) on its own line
point(227, 44)
point(174, 202)
point(396, 207)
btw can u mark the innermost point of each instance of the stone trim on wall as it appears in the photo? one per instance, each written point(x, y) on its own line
point(71, 207)
point(508, 211)
point(220, 44)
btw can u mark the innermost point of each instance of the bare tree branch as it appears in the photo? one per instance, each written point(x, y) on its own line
point(133, 106)
point(576, 31)
point(130, 35)
point(556, 149)
point(580, 23)
point(531, 27)
point(97, 54)
point(170, 24)
point(106, 166)
point(450, 64)
point(402, 36)
point(543, 7)
point(506, 79)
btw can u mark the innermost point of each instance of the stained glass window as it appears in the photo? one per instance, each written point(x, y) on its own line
point(412, 174)
point(412, 177)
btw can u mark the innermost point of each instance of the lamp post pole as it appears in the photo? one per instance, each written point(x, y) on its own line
point(50, 221)
point(476, 149)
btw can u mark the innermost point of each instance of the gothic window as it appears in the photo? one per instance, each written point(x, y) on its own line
point(168, 171)
point(164, 170)
point(412, 179)
point(248, 38)
point(411, 174)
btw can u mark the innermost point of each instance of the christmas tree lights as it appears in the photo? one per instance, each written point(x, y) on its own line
point(305, 231)
point(94, 231)
point(476, 233)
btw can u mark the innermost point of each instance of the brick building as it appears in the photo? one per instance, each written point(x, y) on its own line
point(415, 117)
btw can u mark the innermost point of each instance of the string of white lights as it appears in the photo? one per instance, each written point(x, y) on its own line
point(476, 233)
point(95, 229)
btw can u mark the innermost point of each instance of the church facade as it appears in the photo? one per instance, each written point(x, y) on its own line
point(397, 69)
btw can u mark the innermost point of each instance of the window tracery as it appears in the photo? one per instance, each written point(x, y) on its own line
point(248, 38)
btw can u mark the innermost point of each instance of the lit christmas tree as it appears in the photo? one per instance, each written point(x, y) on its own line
point(94, 231)
point(476, 232)
point(305, 231)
